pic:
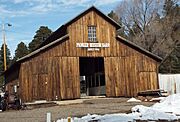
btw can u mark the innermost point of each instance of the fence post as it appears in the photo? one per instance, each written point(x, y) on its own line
point(48, 117)
point(69, 119)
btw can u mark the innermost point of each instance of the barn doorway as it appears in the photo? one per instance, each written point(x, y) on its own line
point(92, 76)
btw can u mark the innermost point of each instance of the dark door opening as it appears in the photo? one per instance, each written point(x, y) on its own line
point(92, 77)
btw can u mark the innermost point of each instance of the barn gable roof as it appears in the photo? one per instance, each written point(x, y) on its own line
point(18, 62)
point(62, 30)
point(43, 48)
point(138, 48)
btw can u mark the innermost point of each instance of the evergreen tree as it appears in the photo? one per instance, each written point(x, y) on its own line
point(21, 50)
point(172, 62)
point(8, 58)
point(41, 35)
point(8, 61)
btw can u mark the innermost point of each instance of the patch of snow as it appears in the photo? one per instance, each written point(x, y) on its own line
point(148, 113)
point(37, 102)
point(105, 118)
point(40, 101)
point(133, 100)
point(168, 109)
point(170, 104)
point(157, 99)
point(68, 102)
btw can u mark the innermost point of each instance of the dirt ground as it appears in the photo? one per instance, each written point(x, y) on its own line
point(92, 106)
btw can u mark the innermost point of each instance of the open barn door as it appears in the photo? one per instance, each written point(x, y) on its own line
point(92, 78)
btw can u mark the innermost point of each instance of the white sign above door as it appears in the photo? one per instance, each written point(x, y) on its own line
point(93, 45)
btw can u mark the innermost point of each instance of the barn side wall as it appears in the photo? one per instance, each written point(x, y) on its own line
point(53, 78)
point(126, 76)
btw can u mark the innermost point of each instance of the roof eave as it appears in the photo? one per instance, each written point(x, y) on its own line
point(43, 48)
point(146, 52)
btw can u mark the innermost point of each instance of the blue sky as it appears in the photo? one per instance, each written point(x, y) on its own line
point(26, 16)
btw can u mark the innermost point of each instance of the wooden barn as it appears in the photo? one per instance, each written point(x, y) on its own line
point(84, 57)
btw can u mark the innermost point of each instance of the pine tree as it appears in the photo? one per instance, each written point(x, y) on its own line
point(41, 35)
point(8, 58)
point(8, 61)
point(21, 50)
point(172, 63)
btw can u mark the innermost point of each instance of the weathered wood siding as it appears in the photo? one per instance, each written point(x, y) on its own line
point(127, 75)
point(54, 73)
point(10, 87)
point(78, 32)
point(50, 78)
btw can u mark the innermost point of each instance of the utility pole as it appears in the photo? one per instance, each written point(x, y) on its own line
point(4, 45)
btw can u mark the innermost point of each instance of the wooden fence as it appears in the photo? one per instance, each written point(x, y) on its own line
point(169, 83)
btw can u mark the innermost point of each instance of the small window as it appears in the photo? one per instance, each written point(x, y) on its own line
point(92, 33)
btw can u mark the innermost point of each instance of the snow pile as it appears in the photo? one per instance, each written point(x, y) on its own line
point(105, 118)
point(133, 100)
point(148, 113)
point(170, 104)
point(168, 109)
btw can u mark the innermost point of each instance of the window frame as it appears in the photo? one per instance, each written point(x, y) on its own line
point(92, 33)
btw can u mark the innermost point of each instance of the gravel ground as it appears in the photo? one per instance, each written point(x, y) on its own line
point(92, 106)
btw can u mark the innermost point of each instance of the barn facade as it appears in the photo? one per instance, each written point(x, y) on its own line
point(84, 57)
